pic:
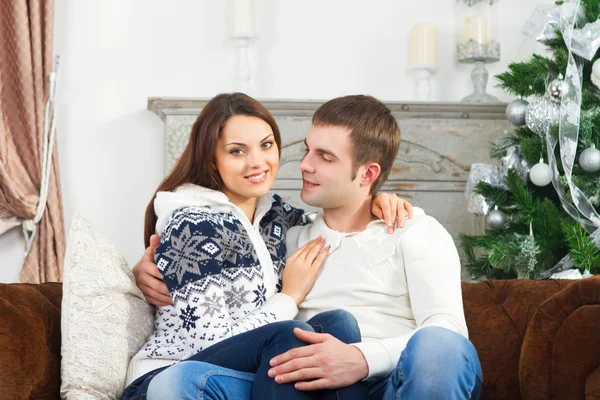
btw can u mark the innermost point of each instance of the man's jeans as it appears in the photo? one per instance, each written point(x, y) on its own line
point(436, 364)
point(236, 368)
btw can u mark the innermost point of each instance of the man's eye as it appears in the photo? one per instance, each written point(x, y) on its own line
point(325, 158)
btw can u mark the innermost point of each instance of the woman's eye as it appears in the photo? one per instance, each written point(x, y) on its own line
point(236, 152)
point(267, 145)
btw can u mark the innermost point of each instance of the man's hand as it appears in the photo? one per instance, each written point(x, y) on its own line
point(148, 277)
point(327, 363)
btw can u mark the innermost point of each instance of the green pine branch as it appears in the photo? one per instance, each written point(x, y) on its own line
point(592, 10)
point(582, 248)
point(529, 77)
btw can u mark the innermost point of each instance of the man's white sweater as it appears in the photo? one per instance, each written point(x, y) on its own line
point(394, 284)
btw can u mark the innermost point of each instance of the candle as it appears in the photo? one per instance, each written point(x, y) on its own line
point(242, 17)
point(423, 44)
point(475, 28)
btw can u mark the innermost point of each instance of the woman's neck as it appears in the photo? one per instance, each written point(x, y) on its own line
point(247, 205)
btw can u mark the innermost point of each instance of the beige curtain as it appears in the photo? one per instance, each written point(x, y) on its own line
point(26, 37)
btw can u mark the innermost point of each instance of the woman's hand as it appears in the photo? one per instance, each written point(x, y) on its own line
point(301, 269)
point(390, 208)
point(148, 278)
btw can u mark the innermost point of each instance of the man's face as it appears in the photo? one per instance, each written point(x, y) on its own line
point(327, 168)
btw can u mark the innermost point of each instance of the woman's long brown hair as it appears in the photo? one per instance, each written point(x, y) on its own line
point(197, 162)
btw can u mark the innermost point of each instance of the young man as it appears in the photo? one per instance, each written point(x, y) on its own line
point(403, 288)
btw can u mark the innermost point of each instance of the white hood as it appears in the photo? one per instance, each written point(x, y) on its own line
point(187, 195)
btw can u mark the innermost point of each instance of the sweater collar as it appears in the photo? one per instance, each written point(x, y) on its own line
point(334, 238)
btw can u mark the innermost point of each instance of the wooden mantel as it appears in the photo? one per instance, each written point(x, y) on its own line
point(163, 106)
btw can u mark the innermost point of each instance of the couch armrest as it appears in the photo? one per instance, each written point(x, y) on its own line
point(30, 340)
point(561, 347)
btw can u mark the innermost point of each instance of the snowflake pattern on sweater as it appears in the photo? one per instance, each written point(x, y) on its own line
point(214, 276)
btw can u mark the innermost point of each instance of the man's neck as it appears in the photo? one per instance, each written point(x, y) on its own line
point(351, 218)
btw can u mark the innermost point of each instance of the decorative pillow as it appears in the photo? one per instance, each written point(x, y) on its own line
point(105, 318)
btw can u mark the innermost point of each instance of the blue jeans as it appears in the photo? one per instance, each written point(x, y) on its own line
point(436, 364)
point(236, 368)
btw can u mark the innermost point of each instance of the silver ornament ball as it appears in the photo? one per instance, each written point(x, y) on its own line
point(496, 219)
point(589, 159)
point(516, 111)
point(557, 90)
point(540, 174)
point(542, 113)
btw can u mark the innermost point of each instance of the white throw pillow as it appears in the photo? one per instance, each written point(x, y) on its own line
point(105, 318)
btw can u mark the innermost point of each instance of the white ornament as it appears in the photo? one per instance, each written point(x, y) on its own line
point(540, 174)
point(589, 159)
point(596, 73)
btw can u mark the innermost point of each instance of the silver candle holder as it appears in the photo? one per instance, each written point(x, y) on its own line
point(477, 43)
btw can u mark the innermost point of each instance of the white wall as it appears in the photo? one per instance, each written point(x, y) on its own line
point(115, 54)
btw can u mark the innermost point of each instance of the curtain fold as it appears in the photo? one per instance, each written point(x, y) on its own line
point(26, 46)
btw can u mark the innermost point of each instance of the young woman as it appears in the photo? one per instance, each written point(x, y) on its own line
point(222, 255)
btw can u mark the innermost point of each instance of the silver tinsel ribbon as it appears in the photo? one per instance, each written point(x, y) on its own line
point(546, 19)
point(495, 176)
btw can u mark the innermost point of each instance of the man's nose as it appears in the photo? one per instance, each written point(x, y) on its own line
point(306, 164)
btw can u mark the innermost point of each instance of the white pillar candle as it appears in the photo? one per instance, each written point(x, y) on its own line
point(423, 44)
point(242, 17)
point(475, 28)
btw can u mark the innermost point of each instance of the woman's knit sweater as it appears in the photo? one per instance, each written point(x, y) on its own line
point(222, 271)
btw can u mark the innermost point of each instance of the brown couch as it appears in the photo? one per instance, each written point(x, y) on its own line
point(535, 339)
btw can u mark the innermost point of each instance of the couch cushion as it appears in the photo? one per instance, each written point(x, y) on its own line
point(498, 314)
point(105, 318)
point(30, 340)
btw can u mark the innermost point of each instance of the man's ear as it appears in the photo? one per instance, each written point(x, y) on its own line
point(370, 172)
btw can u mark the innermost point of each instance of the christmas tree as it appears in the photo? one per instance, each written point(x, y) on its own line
point(542, 204)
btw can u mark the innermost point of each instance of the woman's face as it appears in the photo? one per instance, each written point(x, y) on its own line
point(247, 158)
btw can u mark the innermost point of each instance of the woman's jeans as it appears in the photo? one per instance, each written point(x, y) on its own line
point(236, 368)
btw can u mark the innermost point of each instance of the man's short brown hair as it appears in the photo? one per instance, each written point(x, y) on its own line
point(374, 132)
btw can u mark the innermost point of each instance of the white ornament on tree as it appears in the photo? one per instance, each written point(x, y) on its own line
point(596, 73)
point(589, 159)
point(540, 174)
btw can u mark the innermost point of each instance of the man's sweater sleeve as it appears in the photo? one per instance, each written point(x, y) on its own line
point(191, 269)
point(432, 268)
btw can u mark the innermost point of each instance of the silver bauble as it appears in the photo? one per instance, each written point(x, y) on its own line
point(516, 111)
point(496, 219)
point(557, 89)
point(589, 159)
point(542, 113)
point(540, 174)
